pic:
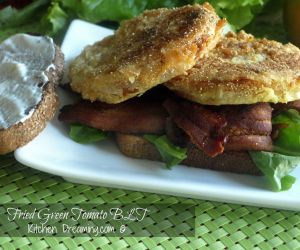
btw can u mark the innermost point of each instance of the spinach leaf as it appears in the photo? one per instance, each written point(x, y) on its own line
point(84, 134)
point(288, 139)
point(171, 154)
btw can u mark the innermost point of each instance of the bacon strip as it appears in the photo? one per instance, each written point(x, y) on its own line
point(249, 142)
point(210, 128)
point(215, 129)
point(135, 116)
point(248, 119)
point(198, 135)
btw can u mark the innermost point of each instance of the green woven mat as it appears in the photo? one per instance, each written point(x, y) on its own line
point(218, 225)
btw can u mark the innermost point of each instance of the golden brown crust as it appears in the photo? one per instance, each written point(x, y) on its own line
point(22, 133)
point(145, 51)
point(232, 161)
point(243, 70)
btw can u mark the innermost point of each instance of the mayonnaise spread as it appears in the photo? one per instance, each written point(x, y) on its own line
point(24, 61)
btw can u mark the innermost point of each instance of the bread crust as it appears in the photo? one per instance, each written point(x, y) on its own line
point(55, 74)
point(243, 70)
point(144, 52)
point(231, 161)
point(23, 132)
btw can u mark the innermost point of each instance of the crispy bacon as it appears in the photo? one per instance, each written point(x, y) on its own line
point(249, 142)
point(214, 129)
point(254, 119)
point(198, 135)
point(134, 116)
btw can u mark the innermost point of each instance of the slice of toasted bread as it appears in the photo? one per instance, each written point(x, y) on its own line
point(232, 161)
point(23, 132)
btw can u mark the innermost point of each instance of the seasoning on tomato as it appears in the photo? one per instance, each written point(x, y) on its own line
point(292, 20)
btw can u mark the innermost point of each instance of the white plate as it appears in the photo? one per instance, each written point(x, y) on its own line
point(102, 164)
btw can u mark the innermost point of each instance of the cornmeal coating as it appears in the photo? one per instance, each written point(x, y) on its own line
point(243, 70)
point(144, 52)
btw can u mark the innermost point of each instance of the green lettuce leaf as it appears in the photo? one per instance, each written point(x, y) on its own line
point(118, 10)
point(51, 17)
point(239, 12)
point(276, 167)
point(269, 22)
point(10, 16)
point(39, 17)
point(154, 4)
point(27, 20)
point(171, 154)
point(288, 140)
point(84, 134)
point(100, 10)
point(54, 20)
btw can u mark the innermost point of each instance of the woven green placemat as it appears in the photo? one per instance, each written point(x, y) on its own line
point(218, 225)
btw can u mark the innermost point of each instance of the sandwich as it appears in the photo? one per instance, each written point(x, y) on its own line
point(233, 109)
point(30, 70)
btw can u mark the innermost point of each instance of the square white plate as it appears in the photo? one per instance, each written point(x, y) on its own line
point(102, 164)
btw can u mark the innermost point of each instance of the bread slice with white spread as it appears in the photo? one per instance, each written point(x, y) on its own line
point(30, 70)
